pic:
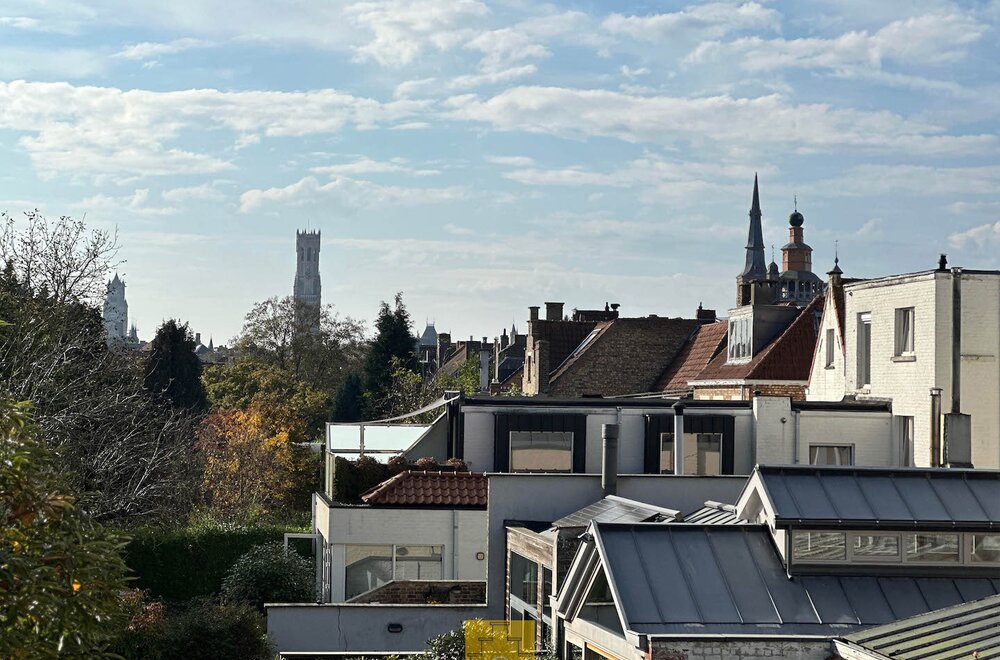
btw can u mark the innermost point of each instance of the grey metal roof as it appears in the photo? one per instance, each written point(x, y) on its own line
point(714, 513)
point(682, 579)
point(951, 632)
point(616, 509)
point(879, 496)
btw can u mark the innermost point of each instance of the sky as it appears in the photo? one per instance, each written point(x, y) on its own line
point(482, 157)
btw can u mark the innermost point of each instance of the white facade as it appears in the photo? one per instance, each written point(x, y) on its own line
point(459, 533)
point(906, 376)
point(115, 313)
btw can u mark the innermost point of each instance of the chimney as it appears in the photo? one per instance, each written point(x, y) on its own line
point(553, 311)
point(504, 340)
point(703, 315)
point(943, 263)
point(533, 313)
point(957, 426)
point(542, 360)
point(679, 437)
point(614, 310)
point(609, 466)
point(484, 366)
point(197, 339)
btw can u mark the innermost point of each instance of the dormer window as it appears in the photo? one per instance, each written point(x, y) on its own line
point(859, 548)
point(740, 339)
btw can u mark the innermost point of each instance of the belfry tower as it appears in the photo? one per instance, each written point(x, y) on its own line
point(115, 313)
point(307, 284)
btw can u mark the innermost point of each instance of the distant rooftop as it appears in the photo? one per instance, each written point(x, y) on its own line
point(437, 489)
point(616, 509)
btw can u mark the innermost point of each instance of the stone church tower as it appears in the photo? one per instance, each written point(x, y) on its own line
point(115, 312)
point(754, 269)
point(307, 284)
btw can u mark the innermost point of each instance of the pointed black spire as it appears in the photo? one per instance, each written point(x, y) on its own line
point(755, 268)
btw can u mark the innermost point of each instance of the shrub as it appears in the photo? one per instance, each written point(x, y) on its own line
point(182, 563)
point(270, 574)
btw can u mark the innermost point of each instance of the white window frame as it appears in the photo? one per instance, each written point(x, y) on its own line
point(864, 351)
point(964, 549)
point(825, 445)
point(831, 347)
point(904, 336)
point(905, 425)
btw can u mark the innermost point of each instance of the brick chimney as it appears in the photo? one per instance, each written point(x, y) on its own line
point(533, 313)
point(704, 316)
point(542, 365)
point(553, 311)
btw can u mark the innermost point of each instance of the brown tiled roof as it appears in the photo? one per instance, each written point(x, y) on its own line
point(463, 353)
point(706, 343)
point(417, 488)
point(788, 357)
point(563, 337)
point(626, 357)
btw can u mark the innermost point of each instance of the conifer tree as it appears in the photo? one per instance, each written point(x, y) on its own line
point(394, 339)
point(173, 369)
point(349, 400)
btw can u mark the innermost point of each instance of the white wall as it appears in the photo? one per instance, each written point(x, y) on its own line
point(828, 383)
point(478, 439)
point(407, 526)
point(870, 435)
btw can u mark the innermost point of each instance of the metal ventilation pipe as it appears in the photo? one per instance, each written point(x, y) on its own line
point(609, 466)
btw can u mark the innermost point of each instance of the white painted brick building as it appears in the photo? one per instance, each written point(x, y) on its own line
point(911, 352)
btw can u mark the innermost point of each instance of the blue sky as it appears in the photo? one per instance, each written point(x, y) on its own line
point(486, 156)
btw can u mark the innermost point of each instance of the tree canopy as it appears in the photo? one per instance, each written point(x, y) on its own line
point(173, 369)
point(391, 350)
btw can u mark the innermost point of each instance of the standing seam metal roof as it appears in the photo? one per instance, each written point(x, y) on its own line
point(682, 579)
point(944, 634)
point(616, 509)
point(884, 496)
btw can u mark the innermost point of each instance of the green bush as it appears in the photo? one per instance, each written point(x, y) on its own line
point(178, 564)
point(205, 630)
point(269, 574)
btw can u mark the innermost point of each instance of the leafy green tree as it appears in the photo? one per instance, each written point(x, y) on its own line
point(270, 574)
point(391, 350)
point(349, 400)
point(61, 573)
point(173, 369)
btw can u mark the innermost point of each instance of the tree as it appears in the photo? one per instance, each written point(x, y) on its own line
point(61, 573)
point(61, 257)
point(248, 471)
point(394, 339)
point(278, 332)
point(131, 454)
point(407, 391)
point(173, 369)
point(349, 400)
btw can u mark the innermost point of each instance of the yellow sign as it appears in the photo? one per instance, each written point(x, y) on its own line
point(499, 640)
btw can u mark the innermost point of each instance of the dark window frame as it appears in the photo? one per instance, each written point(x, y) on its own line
point(504, 423)
point(657, 424)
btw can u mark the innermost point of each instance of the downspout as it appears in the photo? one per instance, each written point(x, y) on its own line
point(956, 340)
point(454, 544)
point(935, 427)
point(795, 436)
point(679, 438)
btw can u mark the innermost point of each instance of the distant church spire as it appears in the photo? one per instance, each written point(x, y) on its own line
point(755, 267)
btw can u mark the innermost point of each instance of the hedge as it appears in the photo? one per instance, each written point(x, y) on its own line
point(178, 564)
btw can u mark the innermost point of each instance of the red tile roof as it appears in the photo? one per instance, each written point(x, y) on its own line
point(788, 357)
point(444, 489)
point(706, 343)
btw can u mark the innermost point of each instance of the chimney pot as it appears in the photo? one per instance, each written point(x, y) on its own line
point(943, 262)
point(553, 311)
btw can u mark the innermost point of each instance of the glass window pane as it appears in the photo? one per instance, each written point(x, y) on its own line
point(541, 451)
point(666, 453)
point(876, 546)
point(831, 455)
point(418, 562)
point(523, 579)
point(546, 589)
point(932, 547)
point(709, 460)
point(986, 547)
point(368, 566)
point(819, 546)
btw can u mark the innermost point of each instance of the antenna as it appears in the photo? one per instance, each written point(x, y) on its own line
point(836, 253)
point(795, 202)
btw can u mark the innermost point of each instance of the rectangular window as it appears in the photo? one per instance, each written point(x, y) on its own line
point(819, 546)
point(541, 451)
point(831, 455)
point(937, 548)
point(702, 453)
point(985, 548)
point(418, 562)
point(368, 566)
point(546, 590)
point(875, 547)
point(524, 579)
point(864, 350)
point(904, 434)
point(831, 346)
point(904, 331)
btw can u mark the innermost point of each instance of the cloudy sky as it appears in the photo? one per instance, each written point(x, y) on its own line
point(485, 156)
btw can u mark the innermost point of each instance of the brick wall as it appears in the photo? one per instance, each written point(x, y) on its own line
point(745, 392)
point(407, 592)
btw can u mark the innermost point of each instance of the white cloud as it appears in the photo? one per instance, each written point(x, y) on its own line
point(148, 50)
point(930, 39)
point(912, 180)
point(21, 23)
point(59, 63)
point(513, 161)
point(206, 192)
point(348, 193)
point(133, 204)
point(734, 123)
point(455, 230)
point(709, 20)
point(982, 237)
point(871, 228)
point(492, 77)
point(402, 30)
point(632, 74)
point(104, 130)
point(369, 166)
